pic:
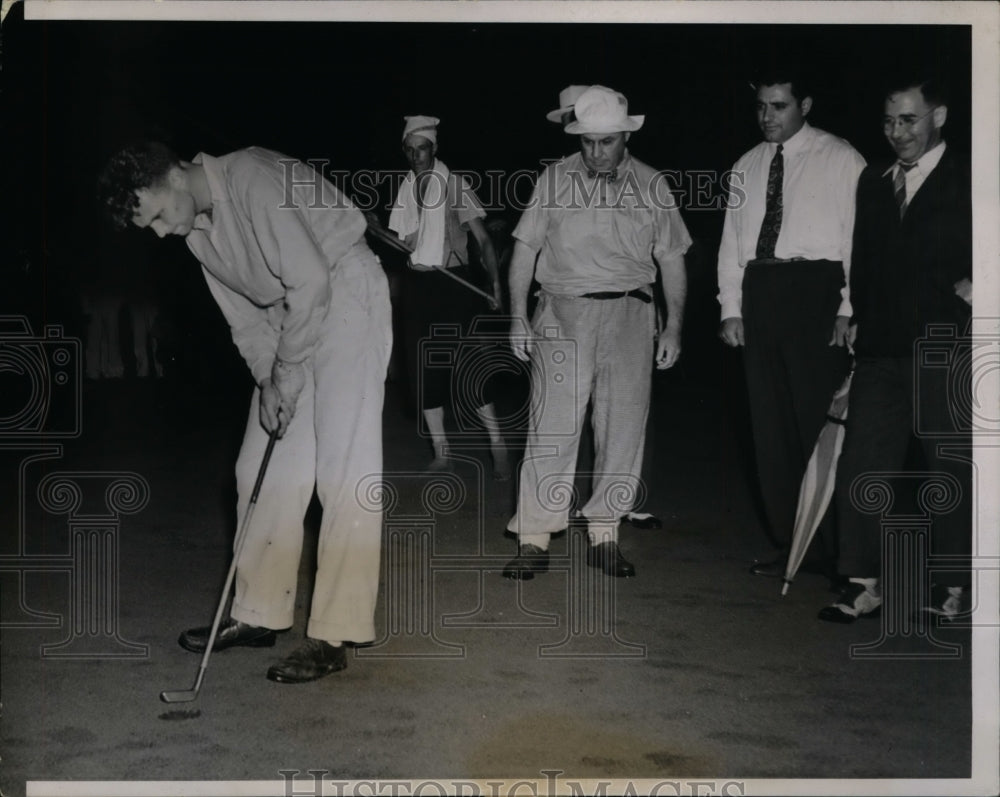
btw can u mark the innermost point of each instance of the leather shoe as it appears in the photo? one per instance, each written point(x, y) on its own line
point(311, 660)
point(530, 559)
point(643, 520)
point(855, 601)
point(609, 558)
point(774, 568)
point(232, 633)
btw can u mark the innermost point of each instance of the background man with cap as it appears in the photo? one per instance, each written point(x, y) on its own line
point(434, 212)
point(783, 265)
point(912, 268)
point(284, 255)
point(603, 221)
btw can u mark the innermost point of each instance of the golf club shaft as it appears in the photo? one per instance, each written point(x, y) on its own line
point(466, 283)
point(180, 697)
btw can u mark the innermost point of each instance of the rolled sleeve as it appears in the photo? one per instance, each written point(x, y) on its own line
point(672, 237)
point(533, 224)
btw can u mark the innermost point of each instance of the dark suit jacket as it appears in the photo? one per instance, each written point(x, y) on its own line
point(903, 271)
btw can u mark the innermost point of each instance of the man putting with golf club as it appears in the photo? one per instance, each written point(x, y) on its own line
point(284, 255)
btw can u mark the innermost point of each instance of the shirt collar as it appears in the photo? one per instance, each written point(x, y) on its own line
point(213, 175)
point(925, 163)
point(795, 143)
point(626, 165)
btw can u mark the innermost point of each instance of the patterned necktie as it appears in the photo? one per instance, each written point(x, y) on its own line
point(899, 186)
point(771, 226)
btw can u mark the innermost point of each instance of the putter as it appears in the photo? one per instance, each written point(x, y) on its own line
point(187, 695)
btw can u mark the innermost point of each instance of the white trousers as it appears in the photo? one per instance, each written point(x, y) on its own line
point(334, 442)
point(586, 350)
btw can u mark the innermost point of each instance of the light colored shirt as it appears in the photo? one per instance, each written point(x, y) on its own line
point(817, 223)
point(915, 177)
point(463, 207)
point(267, 247)
point(599, 236)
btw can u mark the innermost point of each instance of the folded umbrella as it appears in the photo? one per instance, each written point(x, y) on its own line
point(818, 481)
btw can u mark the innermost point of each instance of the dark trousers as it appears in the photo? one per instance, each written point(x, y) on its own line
point(789, 311)
point(888, 404)
point(438, 313)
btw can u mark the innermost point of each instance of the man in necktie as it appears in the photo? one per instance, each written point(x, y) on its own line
point(911, 283)
point(604, 224)
point(783, 267)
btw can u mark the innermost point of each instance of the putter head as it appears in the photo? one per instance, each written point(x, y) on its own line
point(179, 696)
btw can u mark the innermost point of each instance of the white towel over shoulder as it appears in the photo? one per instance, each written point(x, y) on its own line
point(428, 221)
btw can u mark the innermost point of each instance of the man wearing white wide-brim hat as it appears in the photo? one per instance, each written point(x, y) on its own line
point(603, 222)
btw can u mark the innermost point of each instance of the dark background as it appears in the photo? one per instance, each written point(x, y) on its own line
point(75, 91)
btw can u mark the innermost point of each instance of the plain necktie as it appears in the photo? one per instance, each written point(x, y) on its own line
point(899, 186)
point(771, 225)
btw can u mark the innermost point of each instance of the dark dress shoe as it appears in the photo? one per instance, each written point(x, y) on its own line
point(232, 633)
point(643, 520)
point(775, 568)
point(530, 559)
point(311, 660)
point(607, 557)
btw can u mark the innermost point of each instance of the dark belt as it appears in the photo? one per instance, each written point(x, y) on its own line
point(773, 261)
point(638, 294)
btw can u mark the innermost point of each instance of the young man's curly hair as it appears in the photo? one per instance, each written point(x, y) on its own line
point(138, 166)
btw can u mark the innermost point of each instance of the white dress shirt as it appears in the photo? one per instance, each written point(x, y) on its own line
point(818, 194)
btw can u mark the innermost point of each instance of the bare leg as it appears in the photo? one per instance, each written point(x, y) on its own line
point(501, 466)
point(435, 424)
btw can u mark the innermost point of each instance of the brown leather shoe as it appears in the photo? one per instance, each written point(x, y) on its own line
point(311, 660)
point(609, 558)
point(232, 633)
point(530, 559)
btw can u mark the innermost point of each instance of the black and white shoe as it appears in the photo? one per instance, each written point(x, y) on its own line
point(859, 598)
point(948, 603)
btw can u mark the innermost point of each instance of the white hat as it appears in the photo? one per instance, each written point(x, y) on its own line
point(425, 126)
point(602, 110)
point(567, 98)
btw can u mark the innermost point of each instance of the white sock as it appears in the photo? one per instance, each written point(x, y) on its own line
point(540, 540)
point(870, 584)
